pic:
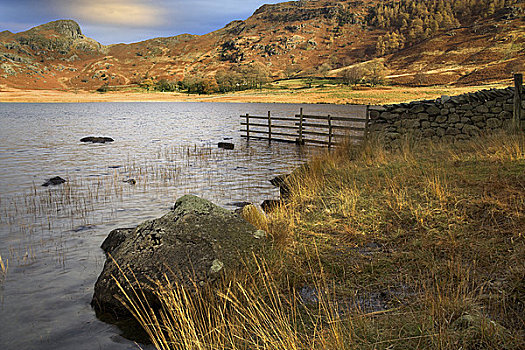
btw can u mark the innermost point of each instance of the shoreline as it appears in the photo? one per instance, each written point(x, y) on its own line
point(316, 95)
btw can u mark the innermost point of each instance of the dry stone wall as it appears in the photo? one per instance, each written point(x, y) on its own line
point(447, 118)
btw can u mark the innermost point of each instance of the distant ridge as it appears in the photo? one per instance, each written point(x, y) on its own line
point(298, 38)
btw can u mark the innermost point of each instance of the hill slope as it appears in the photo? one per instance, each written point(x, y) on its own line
point(323, 37)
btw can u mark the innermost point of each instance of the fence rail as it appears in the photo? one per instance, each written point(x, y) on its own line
point(314, 129)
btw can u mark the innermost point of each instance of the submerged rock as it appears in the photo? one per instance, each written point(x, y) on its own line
point(194, 243)
point(57, 180)
point(96, 139)
point(226, 145)
point(130, 181)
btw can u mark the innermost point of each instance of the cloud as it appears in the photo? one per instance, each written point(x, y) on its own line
point(111, 21)
point(128, 13)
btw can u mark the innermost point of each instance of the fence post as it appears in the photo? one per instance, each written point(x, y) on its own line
point(367, 120)
point(329, 131)
point(247, 126)
point(301, 127)
point(269, 127)
point(518, 93)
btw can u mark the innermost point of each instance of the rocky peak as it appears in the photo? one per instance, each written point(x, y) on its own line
point(64, 27)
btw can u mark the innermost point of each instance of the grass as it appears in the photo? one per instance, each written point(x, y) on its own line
point(420, 247)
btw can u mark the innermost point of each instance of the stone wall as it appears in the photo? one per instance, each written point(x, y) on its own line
point(446, 118)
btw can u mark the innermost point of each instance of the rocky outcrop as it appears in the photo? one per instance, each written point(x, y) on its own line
point(195, 243)
point(65, 27)
point(447, 118)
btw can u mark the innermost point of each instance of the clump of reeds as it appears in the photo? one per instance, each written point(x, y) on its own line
point(255, 216)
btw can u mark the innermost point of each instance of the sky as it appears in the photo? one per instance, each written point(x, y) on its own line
point(126, 21)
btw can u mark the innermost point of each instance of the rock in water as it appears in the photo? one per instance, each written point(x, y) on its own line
point(195, 243)
point(131, 181)
point(96, 139)
point(226, 145)
point(57, 180)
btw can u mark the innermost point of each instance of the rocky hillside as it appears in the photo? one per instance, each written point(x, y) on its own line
point(298, 38)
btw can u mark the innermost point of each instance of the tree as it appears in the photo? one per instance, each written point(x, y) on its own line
point(253, 75)
point(209, 85)
point(375, 72)
point(353, 75)
point(193, 84)
point(165, 85)
point(324, 69)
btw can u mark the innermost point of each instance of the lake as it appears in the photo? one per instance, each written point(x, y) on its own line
point(51, 236)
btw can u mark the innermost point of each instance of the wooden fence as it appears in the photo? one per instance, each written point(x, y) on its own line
point(304, 128)
point(518, 98)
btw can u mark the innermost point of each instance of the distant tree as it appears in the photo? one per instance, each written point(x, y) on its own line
point(375, 72)
point(193, 84)
point(147, 83)
point(209, 85)
point(324, 69)
point(165, 85)
point(253, 75)
point(225, 81)
point(353, 75)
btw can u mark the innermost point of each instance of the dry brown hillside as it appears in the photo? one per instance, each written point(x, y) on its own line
point(298, 38)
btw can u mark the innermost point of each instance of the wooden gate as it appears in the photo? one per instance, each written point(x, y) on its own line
point(323, 130)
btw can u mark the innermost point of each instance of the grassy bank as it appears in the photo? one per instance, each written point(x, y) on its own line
point(296, 91)
point(420, 247)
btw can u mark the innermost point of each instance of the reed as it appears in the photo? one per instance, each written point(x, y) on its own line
point(3, 268)
point(38, 212)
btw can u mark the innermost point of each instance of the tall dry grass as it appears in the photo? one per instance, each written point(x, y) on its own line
point(247, 312)
point(416, 248)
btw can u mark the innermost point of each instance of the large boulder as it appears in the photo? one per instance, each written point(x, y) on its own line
point(196, 242)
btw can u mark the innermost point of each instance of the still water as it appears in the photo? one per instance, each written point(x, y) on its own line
point(51, 235)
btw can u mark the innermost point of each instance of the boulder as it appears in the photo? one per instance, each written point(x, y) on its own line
point(57, 180)
point(96, 139)
point(195, 243)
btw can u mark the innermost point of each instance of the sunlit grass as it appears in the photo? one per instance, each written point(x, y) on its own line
point(249, 311)
point(420, 247)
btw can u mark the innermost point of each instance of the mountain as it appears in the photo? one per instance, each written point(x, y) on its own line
point(413, 41)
